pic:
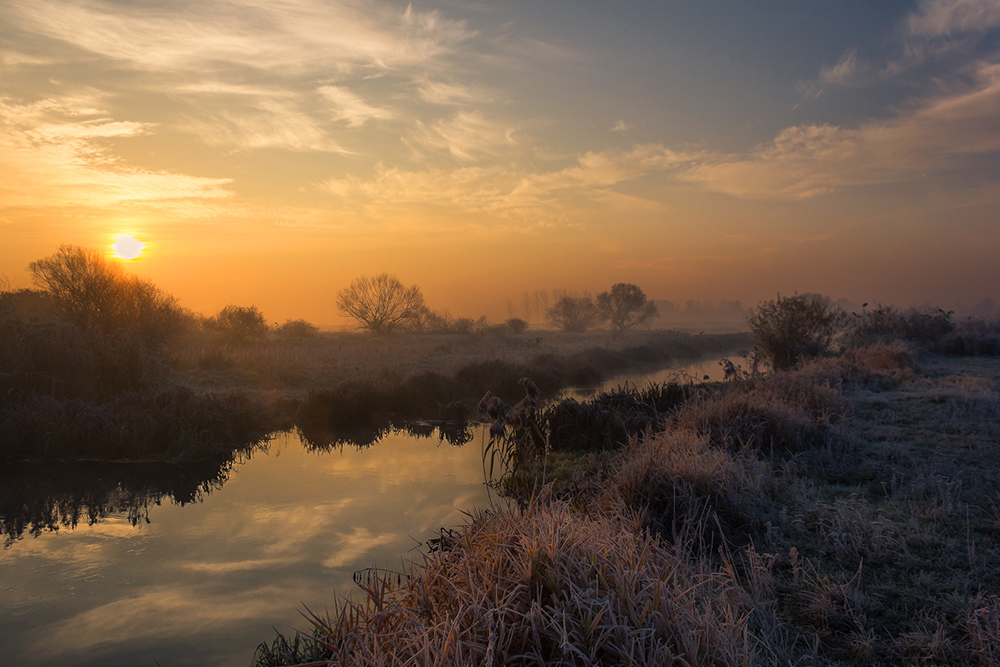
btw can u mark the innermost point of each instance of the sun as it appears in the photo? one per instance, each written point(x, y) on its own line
point(127, 247)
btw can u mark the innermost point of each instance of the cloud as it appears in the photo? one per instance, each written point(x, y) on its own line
point(509, 191)
point(441, 92)
point(54, 153)
point(844, 73)
point(951, 18)
point(293, 35)
point(466, 135)
point(202, 52)
point(349, 106)
point(942, 134)
point(621, 126)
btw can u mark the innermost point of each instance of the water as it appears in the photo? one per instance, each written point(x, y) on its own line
point(146, 565)
point(204, 582)
point(704, 370)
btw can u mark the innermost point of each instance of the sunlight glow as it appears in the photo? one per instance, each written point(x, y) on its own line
point(128, 247)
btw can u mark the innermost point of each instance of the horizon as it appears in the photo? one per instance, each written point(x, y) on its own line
point(270, 154)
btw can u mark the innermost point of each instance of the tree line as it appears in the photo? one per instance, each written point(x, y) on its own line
point(95, 292)
point(383, 304)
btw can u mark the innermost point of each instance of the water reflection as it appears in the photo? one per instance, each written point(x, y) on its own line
point(703, 370)
point(40, 497)
point(325, 437)
point(158, 577)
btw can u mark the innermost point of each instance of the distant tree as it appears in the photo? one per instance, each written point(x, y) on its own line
point(382, 304)
point(516, 325)
point(298, 329)
point(240, 324)
point(625, 307)
point(794, 328)
point(574, 314)
point(93, 291)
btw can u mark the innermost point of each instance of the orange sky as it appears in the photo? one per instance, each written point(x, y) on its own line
point(268, 153)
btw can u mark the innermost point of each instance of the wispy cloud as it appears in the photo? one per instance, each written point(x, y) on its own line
point(466, 135)
point(265, 123)
point(844, 73)
point(451, 92)
point(349, 107)
point(621, 126)
point(249, 72)
point(951, 18)
point(535, 196)
point(53, 153)
point(295, 35)
point(941, 134)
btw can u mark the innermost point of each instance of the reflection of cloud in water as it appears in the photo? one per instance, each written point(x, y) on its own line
point(160, 612)
point(203, 584)
point(360, 542)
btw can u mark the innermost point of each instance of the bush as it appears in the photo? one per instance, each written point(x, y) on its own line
point(794, 328)
point(516, 325)
point(298, 329)
point(885, 324)
point(239, 324)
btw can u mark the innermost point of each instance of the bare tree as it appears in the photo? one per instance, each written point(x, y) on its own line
point(574, 313)
point(382, 304)
point(93, 291)
point(625, 307)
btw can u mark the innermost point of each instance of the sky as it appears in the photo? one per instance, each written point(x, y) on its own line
point(269, 152)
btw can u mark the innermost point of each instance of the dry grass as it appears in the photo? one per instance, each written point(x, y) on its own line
point(548, 586)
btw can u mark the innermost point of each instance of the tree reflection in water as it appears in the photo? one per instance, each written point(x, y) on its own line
point(42, 497)
point(326, 437)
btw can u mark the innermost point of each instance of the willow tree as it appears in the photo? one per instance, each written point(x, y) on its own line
point(382, 304)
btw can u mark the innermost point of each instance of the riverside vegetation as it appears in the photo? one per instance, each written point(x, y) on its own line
point(99, 364)
point(835, 504)
point(843, 511)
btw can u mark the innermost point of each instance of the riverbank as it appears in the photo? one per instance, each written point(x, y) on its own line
point(844, 513)
point(110, 399)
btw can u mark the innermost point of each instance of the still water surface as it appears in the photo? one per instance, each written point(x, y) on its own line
point(158, 582)
point(204, 583)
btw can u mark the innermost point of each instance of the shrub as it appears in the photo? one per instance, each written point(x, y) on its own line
point(239, 324)
point(885, 324)
point(516, 325)
point(298, 329)
point(794, 328)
